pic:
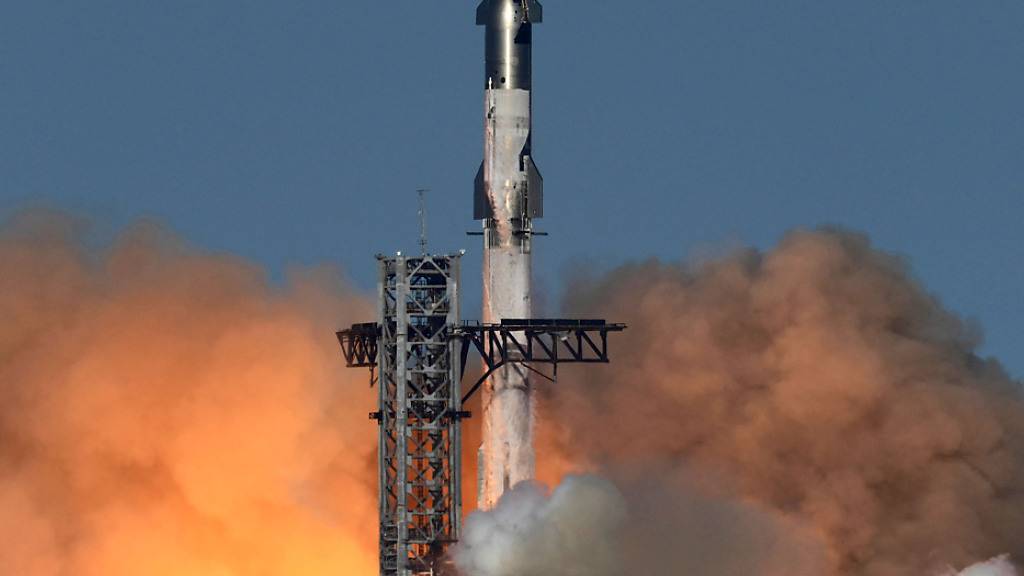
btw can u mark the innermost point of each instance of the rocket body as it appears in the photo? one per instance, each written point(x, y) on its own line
point(508, 196)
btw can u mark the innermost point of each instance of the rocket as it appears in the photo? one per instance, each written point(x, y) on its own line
point(508, 196)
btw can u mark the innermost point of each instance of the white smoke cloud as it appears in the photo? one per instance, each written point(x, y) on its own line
point(646, 523)
point(574, 530)
point(996, 567)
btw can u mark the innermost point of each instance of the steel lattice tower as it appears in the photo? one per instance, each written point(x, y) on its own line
point(419, 412)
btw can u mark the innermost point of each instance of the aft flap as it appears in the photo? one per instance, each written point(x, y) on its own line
point(535, 12)
point(481, 205)
point(534, 190)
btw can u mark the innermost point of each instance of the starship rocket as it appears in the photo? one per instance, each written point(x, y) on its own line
point(508, 196)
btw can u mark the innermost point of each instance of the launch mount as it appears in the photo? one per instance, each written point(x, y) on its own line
point(417, 353)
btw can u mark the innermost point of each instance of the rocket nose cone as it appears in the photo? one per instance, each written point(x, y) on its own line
point(507, 12)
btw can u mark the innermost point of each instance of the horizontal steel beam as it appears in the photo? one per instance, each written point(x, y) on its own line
point(513, 341)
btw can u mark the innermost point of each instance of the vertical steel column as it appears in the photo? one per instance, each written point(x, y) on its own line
point(455, 401)
point(402, 405)
point(386, 446)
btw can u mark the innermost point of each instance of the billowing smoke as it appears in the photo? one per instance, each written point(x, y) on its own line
point(574, 530)
point(806, 411)
point(645, 523)
point(996, 567)
point(167, 412)
point(817, 384)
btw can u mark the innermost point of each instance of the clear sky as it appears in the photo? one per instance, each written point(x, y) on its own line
point(297, 132)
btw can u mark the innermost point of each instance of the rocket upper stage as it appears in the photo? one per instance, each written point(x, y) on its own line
point(509, 42)
point(512, 184)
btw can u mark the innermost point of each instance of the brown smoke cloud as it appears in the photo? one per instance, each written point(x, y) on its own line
point(810, 411)
point(168, 412)
point(817, 383)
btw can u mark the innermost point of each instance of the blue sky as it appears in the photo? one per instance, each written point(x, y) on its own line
point(297, 132)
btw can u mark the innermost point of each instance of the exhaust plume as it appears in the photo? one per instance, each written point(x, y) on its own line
point(574, 530)
point(645, 523)
point(818, 383)
point(168, 412)
point(996, 567)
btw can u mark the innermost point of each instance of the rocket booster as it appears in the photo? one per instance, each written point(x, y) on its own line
point(509, 195)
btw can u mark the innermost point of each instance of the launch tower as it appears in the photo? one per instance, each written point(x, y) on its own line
point(417, 369)
point(417, 353)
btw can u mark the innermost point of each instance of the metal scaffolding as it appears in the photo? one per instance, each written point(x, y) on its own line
point(417, 352)
point(419, 399)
